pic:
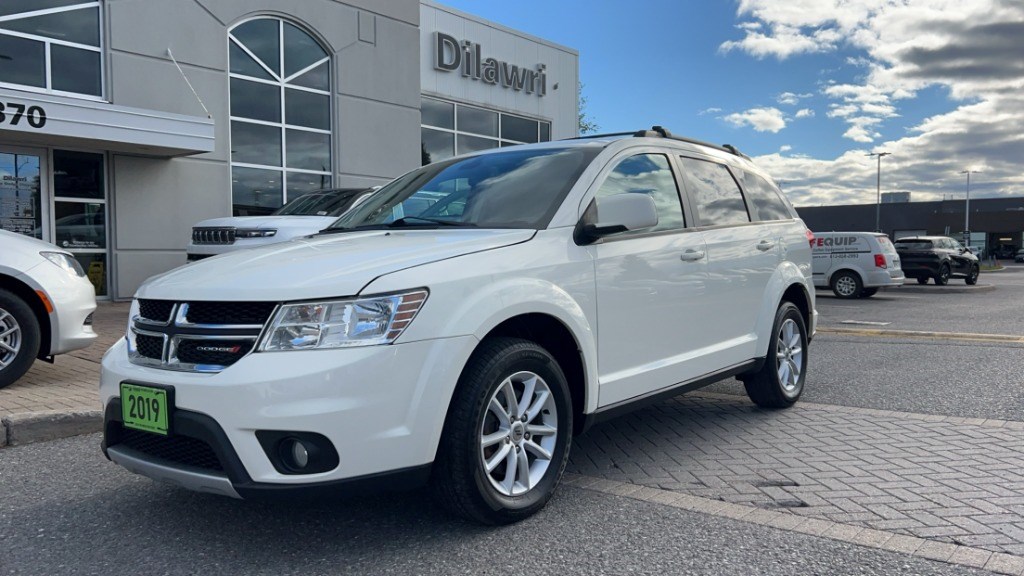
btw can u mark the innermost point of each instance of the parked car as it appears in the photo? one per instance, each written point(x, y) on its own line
point(305, 215)
point(46, 304)
point(464, 322)
point(937, 257)
point(1020, 256)
point(855, 264)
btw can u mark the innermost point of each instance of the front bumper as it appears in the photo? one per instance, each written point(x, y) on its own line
point(73, 299)
point(381, 407)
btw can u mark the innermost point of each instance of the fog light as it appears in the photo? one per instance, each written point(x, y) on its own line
point(300, 456)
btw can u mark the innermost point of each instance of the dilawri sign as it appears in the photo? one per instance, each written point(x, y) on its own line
point(451, 55)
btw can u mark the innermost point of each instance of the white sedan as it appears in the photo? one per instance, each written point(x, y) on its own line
point(46, 304)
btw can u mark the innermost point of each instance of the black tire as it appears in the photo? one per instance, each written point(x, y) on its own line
point(942, 278)
point(972, 276)
point(460, 480)
point(21, 329)
point(922, 279)
point(847, 284)
point(868, 292)
point(764, 387)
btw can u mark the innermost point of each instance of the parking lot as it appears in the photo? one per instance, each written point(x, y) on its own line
point(906, 455)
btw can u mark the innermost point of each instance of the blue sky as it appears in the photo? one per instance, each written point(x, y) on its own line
point(808, 87)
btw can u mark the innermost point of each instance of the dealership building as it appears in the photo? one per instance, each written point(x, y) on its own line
point(124, 122)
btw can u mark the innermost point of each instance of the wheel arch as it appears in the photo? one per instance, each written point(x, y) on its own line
point(788, 283)
point(22, 290)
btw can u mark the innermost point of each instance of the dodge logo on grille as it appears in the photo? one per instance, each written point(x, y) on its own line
point(228, 349)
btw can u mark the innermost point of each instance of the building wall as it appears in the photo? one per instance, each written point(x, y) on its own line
point(154, 202)
point(558, 105)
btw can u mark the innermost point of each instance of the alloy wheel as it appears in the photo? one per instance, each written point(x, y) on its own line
point(846, 285)
point(789, 355)
point(519, 433)
point(10, 338)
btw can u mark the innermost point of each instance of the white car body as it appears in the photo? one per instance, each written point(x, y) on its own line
point(284, 228)
point(62, 301)
point(871, 256)
point(648, 315)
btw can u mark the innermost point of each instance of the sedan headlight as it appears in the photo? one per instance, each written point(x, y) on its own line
point(254, 233)
point(65, 261)
point(342, 323)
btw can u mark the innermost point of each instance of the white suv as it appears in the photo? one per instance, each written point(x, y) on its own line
point(465, 322)
point(46, 304)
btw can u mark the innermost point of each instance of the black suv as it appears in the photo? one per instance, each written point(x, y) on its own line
point(937, 257)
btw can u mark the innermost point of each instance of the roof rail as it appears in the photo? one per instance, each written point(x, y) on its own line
point(606, 135)
point(661, 132)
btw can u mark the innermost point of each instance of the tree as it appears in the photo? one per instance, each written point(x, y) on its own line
point(587, 125)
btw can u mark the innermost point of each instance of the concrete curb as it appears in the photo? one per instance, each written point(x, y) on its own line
point(967, 556)
point(29, 427)
point(965, 336)
point(933, 289)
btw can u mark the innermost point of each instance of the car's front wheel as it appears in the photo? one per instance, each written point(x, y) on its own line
point(972, 276)
point(507, 435)
point(19, 337)
point(780, 381)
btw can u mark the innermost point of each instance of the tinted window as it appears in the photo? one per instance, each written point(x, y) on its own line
point(714, 191)
point(518, 129)
point(518, 188)
point(478, 121)
point(648, 174)
point(764, 199)
point(913, 244)
point(437, 113)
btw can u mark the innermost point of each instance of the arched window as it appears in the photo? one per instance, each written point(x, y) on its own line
point(280, 115)
point(52, 46)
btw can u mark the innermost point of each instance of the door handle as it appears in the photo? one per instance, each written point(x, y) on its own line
point(692, 255)
point(765, 245)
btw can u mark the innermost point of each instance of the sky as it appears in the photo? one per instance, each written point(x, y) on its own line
point(809, 88)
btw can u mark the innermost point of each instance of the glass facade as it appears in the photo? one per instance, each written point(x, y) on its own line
point(80, 212)
point(448, 129)
point(52, 45)
point(280, 115)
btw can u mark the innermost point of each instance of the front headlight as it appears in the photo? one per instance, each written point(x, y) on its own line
point(254, 233)
point(342, 323)
point(65, 261)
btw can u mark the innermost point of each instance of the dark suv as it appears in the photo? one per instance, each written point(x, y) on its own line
point(937, 257)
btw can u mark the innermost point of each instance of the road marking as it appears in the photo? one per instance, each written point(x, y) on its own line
point(865, 323)
point(958, 336)
point(956, 554)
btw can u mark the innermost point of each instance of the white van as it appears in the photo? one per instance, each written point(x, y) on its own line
point(855, 264)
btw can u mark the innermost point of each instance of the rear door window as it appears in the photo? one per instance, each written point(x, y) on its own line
point(715, 194)
point(764, 199)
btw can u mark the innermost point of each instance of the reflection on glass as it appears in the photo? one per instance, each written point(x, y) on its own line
point(764, 199)
point(20, 202)
point(545, 131)
point(256, 192)
point(318, 78)
point(520, 129)
point(77, 174)
point(718, 198)
point(478, 121)
point(95, 266)
point(469, 144)
point(22, 61)
point(308, 150)
point(242, 63)
point(437, 113)
point(436, 145)
point(300, 50)
point(78, 26)
point(79, 225)
point(75, 70)
point(255, 143)
point(307, 109)
point(648, 174)
point(299, 183)
point(255, 100)
point(262, 38)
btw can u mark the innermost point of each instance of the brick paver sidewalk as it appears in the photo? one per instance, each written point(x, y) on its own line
point(71, 382)
point(953, 480)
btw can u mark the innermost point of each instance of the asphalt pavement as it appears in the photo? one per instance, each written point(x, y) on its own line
point(65, 510)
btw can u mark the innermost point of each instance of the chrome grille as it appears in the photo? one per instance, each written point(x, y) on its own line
point(196, 336)
point(213, 235)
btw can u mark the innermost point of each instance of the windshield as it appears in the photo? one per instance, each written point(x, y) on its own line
point(333, 203)
point(508, 189)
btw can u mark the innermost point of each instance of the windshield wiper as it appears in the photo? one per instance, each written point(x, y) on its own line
point(410, 221)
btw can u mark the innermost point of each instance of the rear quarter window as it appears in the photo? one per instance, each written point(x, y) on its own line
point(764, 199)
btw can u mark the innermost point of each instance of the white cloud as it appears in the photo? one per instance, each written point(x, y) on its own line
point(805, 113)
point(760, 119)
point(785, 148)
point(709, 111)
point(791, 99)
point(971, 49)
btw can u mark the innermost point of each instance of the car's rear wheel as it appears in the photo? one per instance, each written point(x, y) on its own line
point(506, 439)
point(868, 292)
point(847, 284)
point(780, 381)
point(922, 279)
point(942, 278)
point(972, 276)
point(19, 338)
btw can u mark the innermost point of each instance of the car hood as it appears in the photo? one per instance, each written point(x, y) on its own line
point(312, 223)
point(323, 266)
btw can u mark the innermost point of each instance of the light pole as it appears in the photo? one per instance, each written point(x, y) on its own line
point(967, 207)
point(878, 197)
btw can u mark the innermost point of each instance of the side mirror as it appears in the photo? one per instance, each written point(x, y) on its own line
point(616, 214)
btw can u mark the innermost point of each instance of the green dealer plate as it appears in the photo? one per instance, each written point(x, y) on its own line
point(144, 408)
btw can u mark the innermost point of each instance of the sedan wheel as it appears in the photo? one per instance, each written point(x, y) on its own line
point(972, 277)
point(19, 338)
